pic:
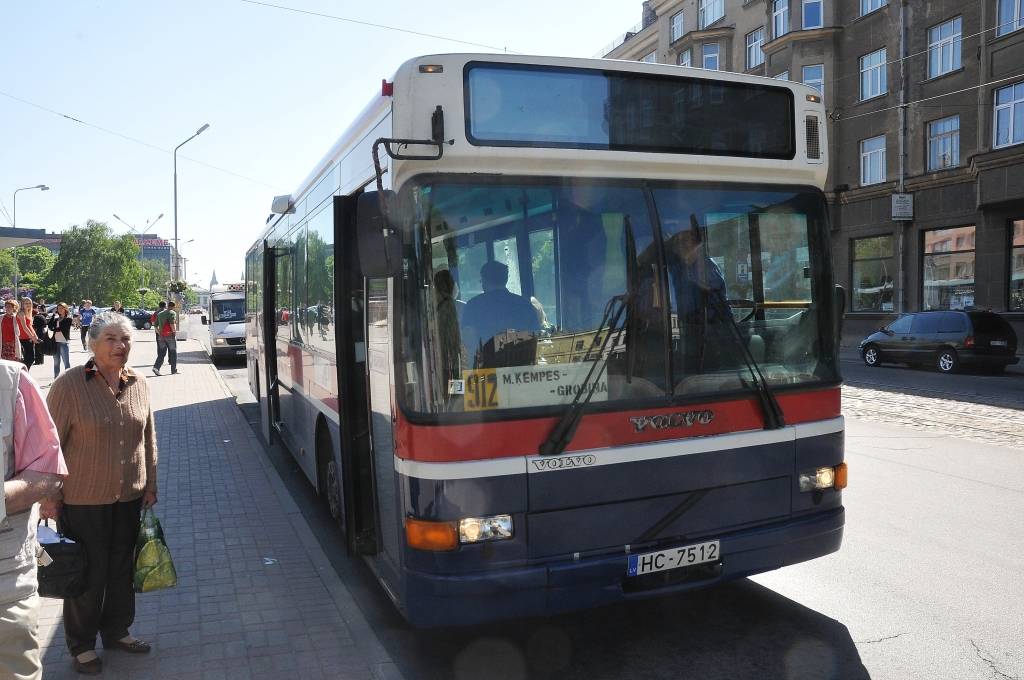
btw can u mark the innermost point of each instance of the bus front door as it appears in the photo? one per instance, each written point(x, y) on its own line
point(270, 409)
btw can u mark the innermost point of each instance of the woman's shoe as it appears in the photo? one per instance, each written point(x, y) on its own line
point(91, 665)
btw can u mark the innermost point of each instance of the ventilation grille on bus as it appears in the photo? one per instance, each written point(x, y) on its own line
point(813, 139)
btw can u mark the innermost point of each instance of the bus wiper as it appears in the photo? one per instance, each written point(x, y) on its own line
point(561, 434)
point(773, 415)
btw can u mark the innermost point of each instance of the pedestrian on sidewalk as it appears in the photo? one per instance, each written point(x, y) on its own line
point(33, 472)
point(85, 317)
point(152, 320)
point(39, 326)
point(166, 339)
point(105, 421)
point(60, 324)
point(26, 333)
point(10, 346)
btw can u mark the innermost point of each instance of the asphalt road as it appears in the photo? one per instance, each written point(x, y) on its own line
point(928, 584)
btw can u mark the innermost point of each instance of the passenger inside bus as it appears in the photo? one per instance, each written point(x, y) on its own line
point(494, 311)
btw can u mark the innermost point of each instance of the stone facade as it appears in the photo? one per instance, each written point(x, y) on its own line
point(947, 70)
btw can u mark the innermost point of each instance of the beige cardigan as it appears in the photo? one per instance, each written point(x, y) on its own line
point(109, 443)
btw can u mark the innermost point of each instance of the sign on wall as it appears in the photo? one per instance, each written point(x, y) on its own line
point(903, 207)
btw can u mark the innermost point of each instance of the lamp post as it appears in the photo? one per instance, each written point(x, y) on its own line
point(14, 224)
point(174, 274)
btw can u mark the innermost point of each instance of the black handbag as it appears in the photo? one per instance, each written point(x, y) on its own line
point(48, 345)
point(66, 575)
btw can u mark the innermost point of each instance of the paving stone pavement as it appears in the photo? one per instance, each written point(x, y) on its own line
point(256, 596)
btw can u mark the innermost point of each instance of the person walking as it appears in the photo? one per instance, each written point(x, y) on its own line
point(105, 422)
point(34, 469)
point(26, 333)
point(152, 320)
point(85, 316)
point(60, 324)
point(166, 339)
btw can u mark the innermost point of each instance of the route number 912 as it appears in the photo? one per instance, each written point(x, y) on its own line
point(481, 390)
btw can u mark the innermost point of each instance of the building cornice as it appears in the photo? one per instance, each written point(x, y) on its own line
point(800, 36)
point(997, 158)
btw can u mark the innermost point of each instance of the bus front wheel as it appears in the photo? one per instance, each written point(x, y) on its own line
point(330, 475)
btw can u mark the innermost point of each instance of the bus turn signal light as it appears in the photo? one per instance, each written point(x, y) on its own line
point(436, 536)
point(841, 476)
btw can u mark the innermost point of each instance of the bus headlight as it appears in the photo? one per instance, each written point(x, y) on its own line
point(478, 529)
point(824, 478)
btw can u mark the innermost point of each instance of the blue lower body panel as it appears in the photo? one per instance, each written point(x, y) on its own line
point(562, 586)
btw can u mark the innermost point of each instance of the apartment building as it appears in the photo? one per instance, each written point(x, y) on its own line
point(926, 108)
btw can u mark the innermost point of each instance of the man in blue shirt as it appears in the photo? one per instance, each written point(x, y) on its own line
point(85, 314)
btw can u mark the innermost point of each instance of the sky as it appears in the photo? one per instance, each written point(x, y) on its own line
point(276, 86)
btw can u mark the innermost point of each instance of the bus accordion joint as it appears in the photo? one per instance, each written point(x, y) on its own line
point(434, 536)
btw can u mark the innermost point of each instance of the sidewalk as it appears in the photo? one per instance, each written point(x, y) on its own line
point(256, 596)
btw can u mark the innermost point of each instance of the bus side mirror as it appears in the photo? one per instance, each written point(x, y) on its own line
point(203, 320)
point(380, 247)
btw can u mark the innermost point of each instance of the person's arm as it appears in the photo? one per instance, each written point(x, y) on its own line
point(149, 496)
point(38, 460)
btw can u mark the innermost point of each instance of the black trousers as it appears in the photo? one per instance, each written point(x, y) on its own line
point(85, 332)
point(108, 533)
point(28, 353)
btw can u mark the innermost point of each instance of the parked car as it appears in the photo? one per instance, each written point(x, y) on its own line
point(945, 340)
point(139, 317)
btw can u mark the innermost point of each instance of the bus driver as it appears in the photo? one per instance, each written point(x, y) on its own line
point(495, 310)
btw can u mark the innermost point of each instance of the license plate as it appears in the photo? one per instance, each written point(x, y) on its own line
point(239, 351)
point(998, 343)
point(648, 563)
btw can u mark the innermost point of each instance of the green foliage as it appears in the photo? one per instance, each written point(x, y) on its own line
point(155, 275)
point(35, 260)
point(7, 268)
point(177, 286)
point(97, 264)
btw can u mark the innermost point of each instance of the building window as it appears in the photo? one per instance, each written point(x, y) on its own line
point(869, 6)
point(1009, 123)
point(814, 76)
point(872, 75)
point(944, 48)
point(710, 11)
point(1017, 265)
point(755, 55)
point(874, 274)
point(685, 57)
point(813, 14)
point(872, 160)
point(710, 56)
point(943, 143)
point(676, 27)
point(780, 18)
point(651, 58)
point(1011, 16)
point(948, 270)
point(783, 76)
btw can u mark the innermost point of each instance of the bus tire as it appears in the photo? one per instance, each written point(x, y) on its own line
point(329, 477)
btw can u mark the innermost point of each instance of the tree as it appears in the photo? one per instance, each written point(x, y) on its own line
point(95, 263)
point(35, 260)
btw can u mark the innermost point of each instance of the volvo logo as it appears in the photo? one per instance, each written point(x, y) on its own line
point(563, 463)
point(666, 420)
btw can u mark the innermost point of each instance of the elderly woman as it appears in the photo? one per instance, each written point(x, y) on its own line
point(106, 429)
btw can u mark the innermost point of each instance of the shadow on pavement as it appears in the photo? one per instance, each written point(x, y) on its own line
point(741, 630)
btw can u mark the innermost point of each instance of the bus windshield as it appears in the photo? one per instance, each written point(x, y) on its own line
point(510, 280)
point(229, 311)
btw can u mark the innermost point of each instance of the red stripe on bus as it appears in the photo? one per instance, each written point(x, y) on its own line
point(481, 441)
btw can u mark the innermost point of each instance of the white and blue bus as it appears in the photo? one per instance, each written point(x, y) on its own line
point(551, 333)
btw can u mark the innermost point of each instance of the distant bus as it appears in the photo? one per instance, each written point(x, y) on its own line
point(552, 333)
point(225, 316)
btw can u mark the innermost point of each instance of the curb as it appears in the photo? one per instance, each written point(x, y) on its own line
point(381, 664)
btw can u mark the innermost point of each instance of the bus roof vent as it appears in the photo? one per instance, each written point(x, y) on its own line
point(813, 138)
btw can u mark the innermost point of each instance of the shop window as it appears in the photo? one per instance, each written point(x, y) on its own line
point(1017, 266)
point(948, 268)
point(874, 274)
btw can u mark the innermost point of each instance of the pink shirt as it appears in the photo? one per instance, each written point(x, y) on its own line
point(36, 444)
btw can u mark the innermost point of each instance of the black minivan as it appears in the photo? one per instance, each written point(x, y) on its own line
point(945, 340)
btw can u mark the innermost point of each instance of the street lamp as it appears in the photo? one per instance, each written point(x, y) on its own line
point(14, 224)
point(174, 274)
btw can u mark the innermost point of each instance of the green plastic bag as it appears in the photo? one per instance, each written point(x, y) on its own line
point(154, 569)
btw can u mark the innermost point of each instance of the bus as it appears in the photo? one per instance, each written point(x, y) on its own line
point(548, 333)
point(225, 315)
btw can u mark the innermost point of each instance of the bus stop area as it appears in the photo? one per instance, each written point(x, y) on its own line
point(256, 596)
